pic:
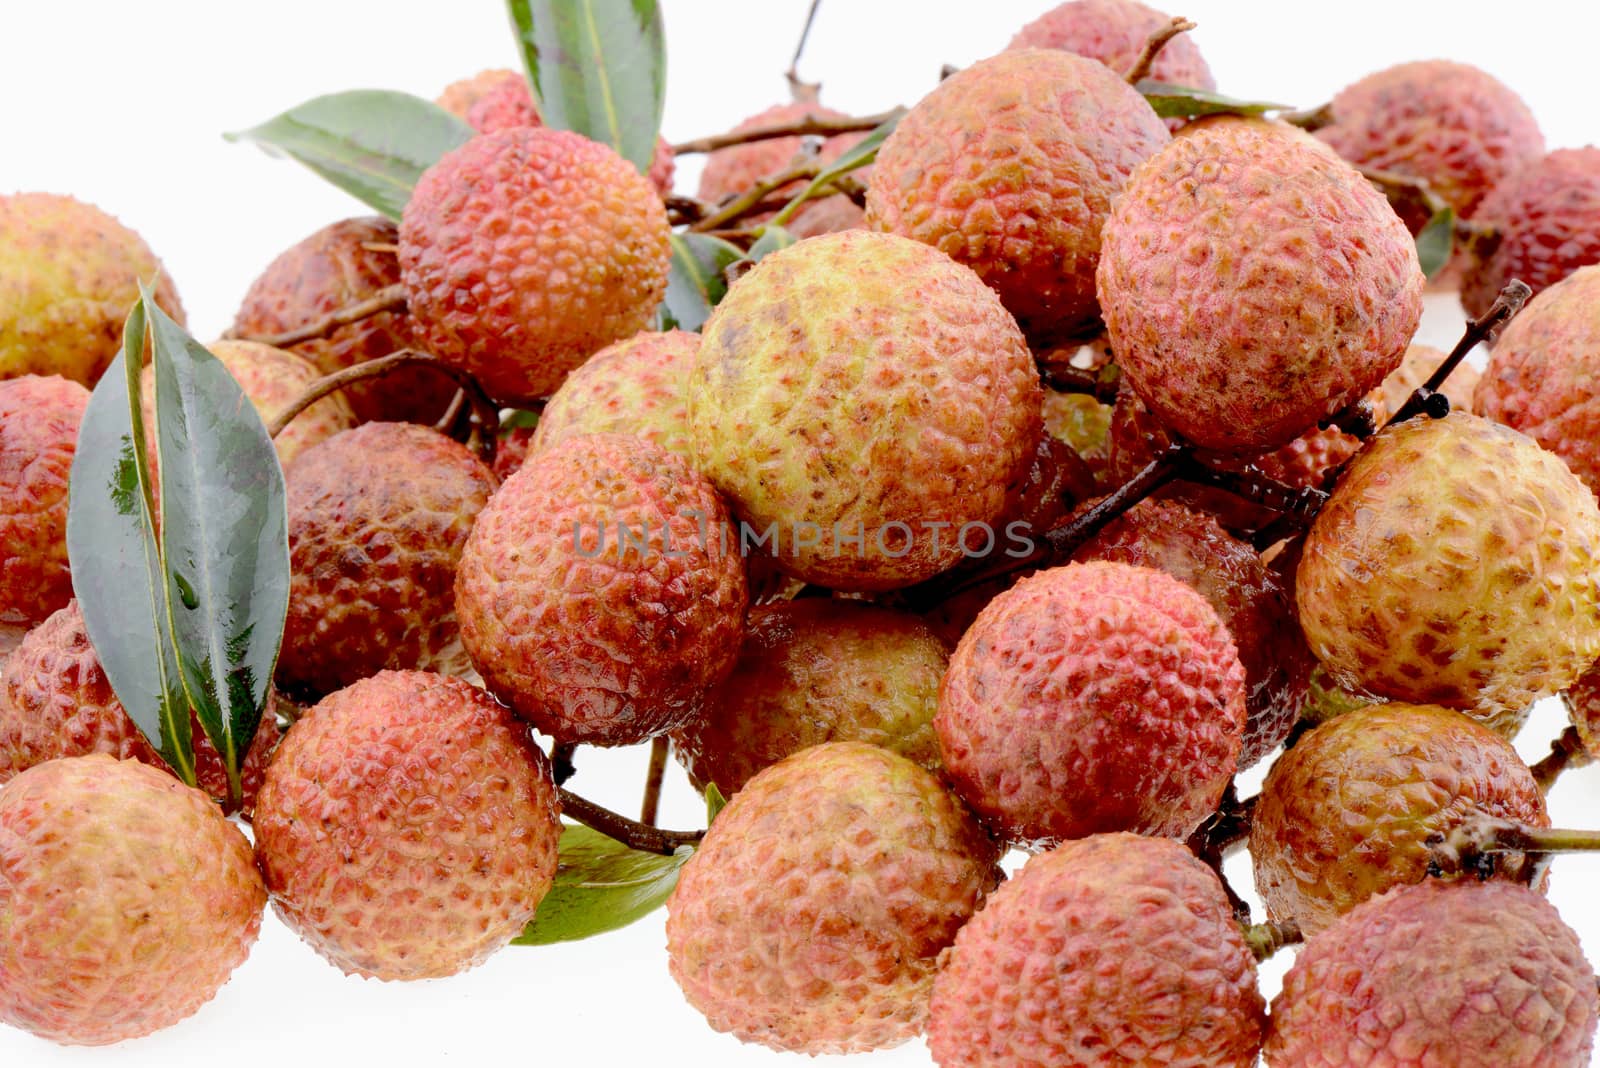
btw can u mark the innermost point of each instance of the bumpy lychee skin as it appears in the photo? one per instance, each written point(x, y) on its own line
point(1114, 32)
point(812, 917)
point(1420, 362)
point(601, 593)
point(638, 386)
point(1089, 698)
point(1011, 167)
point(1583, 702)
point(1245, 230)
point(1543, 376)
point(68, 274)
point(1456, 564)
point(338, 266)
point(1247, 595)
point(863, 386)
point(812, 671)
point(56, 702)
point(378, 520)
point(1547, 214)
point(1346, 812)
point(407, 828)
point(1114, 950)
point(458, 97)
point(732, 170)
point(1478, 975)
point(126, 898)
point(39, 420)
point(526, 251)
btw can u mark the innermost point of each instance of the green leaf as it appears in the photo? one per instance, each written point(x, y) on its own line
point(695, 283)
point(601, 885)
point(115, 557)
point(861, 154)
point(715, 803)
point(773, 237)
point(1435, 241)
point(1182, 102)
point(519, 418)
point(372, 143)
point(598, 68)
point(224, 538)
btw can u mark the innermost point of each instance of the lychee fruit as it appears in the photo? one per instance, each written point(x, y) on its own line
point(407, 828)
point(511, 452)
point(68, 275)
point(1346, 812)
point(813, 915)
point(1011, 167)
point(1090, 698)
point(458, 97)
point(1248, 596)
point(39, 419)
point(1109, 950)
point(126, 898)
point(343, 264)
point(1544, 373)
point(638, 386)
point(1455, 564)
point(733, 170)
point(812, 671)
point(601, 593)
point(378, 520)
point(1547, 218)
point(864, 402)
point(1419, 363)
point(525, 252)
point(1476, 975)
point(1583, 705)
point(1253, 283)
point(55, 702)
point(1115, 32)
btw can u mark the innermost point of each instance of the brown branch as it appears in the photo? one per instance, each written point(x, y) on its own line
point(806, 126)
point(803, 92)
point(389, 298)
point(1152, 48)
point(1567, 751)
point(561, 766)
point(657, 771)
point(1265, 939)
point(631, 833)
point(1427, 397)
point(750, 201)
point(1359, 420)
point(1221, 835)
point(1477, 843)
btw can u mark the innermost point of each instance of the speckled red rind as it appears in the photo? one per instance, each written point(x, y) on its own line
point(1113, 950)
point(1115, 32)
point(856, 381)
point(55, 702)
point(378, 520)
point(407, 828)
point(1346, 812)
point(1091, 698)
point(525, 252)
point(1457, 564)
point(1247, 595)
point(1474, 975)
point(458, 97)
point(39, 420)
point(638, 386)
point(812, 671)
point(68, 274)
point(1547, 214)
point(735, 169)
point(1254, 283)
point(1543, 376)
point(812, 917)
point(601, 593)
point(126, 898)
point(1011, 167)
point(330, 270)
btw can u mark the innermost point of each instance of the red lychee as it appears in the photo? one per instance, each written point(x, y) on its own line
point(39, 420)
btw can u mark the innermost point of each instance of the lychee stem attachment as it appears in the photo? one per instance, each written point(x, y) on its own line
point(1567, 751)
point(1152, 48)
point(387, 299)
point(561, 765)
point(1222, 834)
point(804, 126)
point(1427, 398)
point(1473, 845)
point(1301, 503)
point(654, 775)
point(630, 833)
point(1311, 119)
point(1265, 939)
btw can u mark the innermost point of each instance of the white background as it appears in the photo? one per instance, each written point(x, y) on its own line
point(124, 105)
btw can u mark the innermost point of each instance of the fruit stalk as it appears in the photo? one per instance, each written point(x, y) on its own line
point(387, 299)
point(1567, 751)
point(1472, 844)
point(1153, 46)
point(651, 806)
point(750, 201)
point(630, 833)
point(1265, 939)
point(1427, 397)
point(804, 127)
point(1222, 834)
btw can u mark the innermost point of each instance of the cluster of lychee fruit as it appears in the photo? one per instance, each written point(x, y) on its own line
point(1073, 460)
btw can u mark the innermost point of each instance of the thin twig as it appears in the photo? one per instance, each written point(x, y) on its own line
point(561, 767)
point(631, 833)
point(1265, 939)
point(749, 202)
point(1152, 48)
point(1475, 844)
point(800, 89)
point(1567, 751)
point(657, 772)
point(389, 298)
point(805, 126)
point(1427, 397)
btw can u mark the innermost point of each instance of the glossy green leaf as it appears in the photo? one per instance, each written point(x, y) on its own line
point(115, 557)
point(715, 803)
point(600, 885)
point(773, 237)
point(861, 154)
point(695, 283)
point(225, 541)
point(372, 143)
point(598, 68)
point(1436, 240)
point(1183, 102)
